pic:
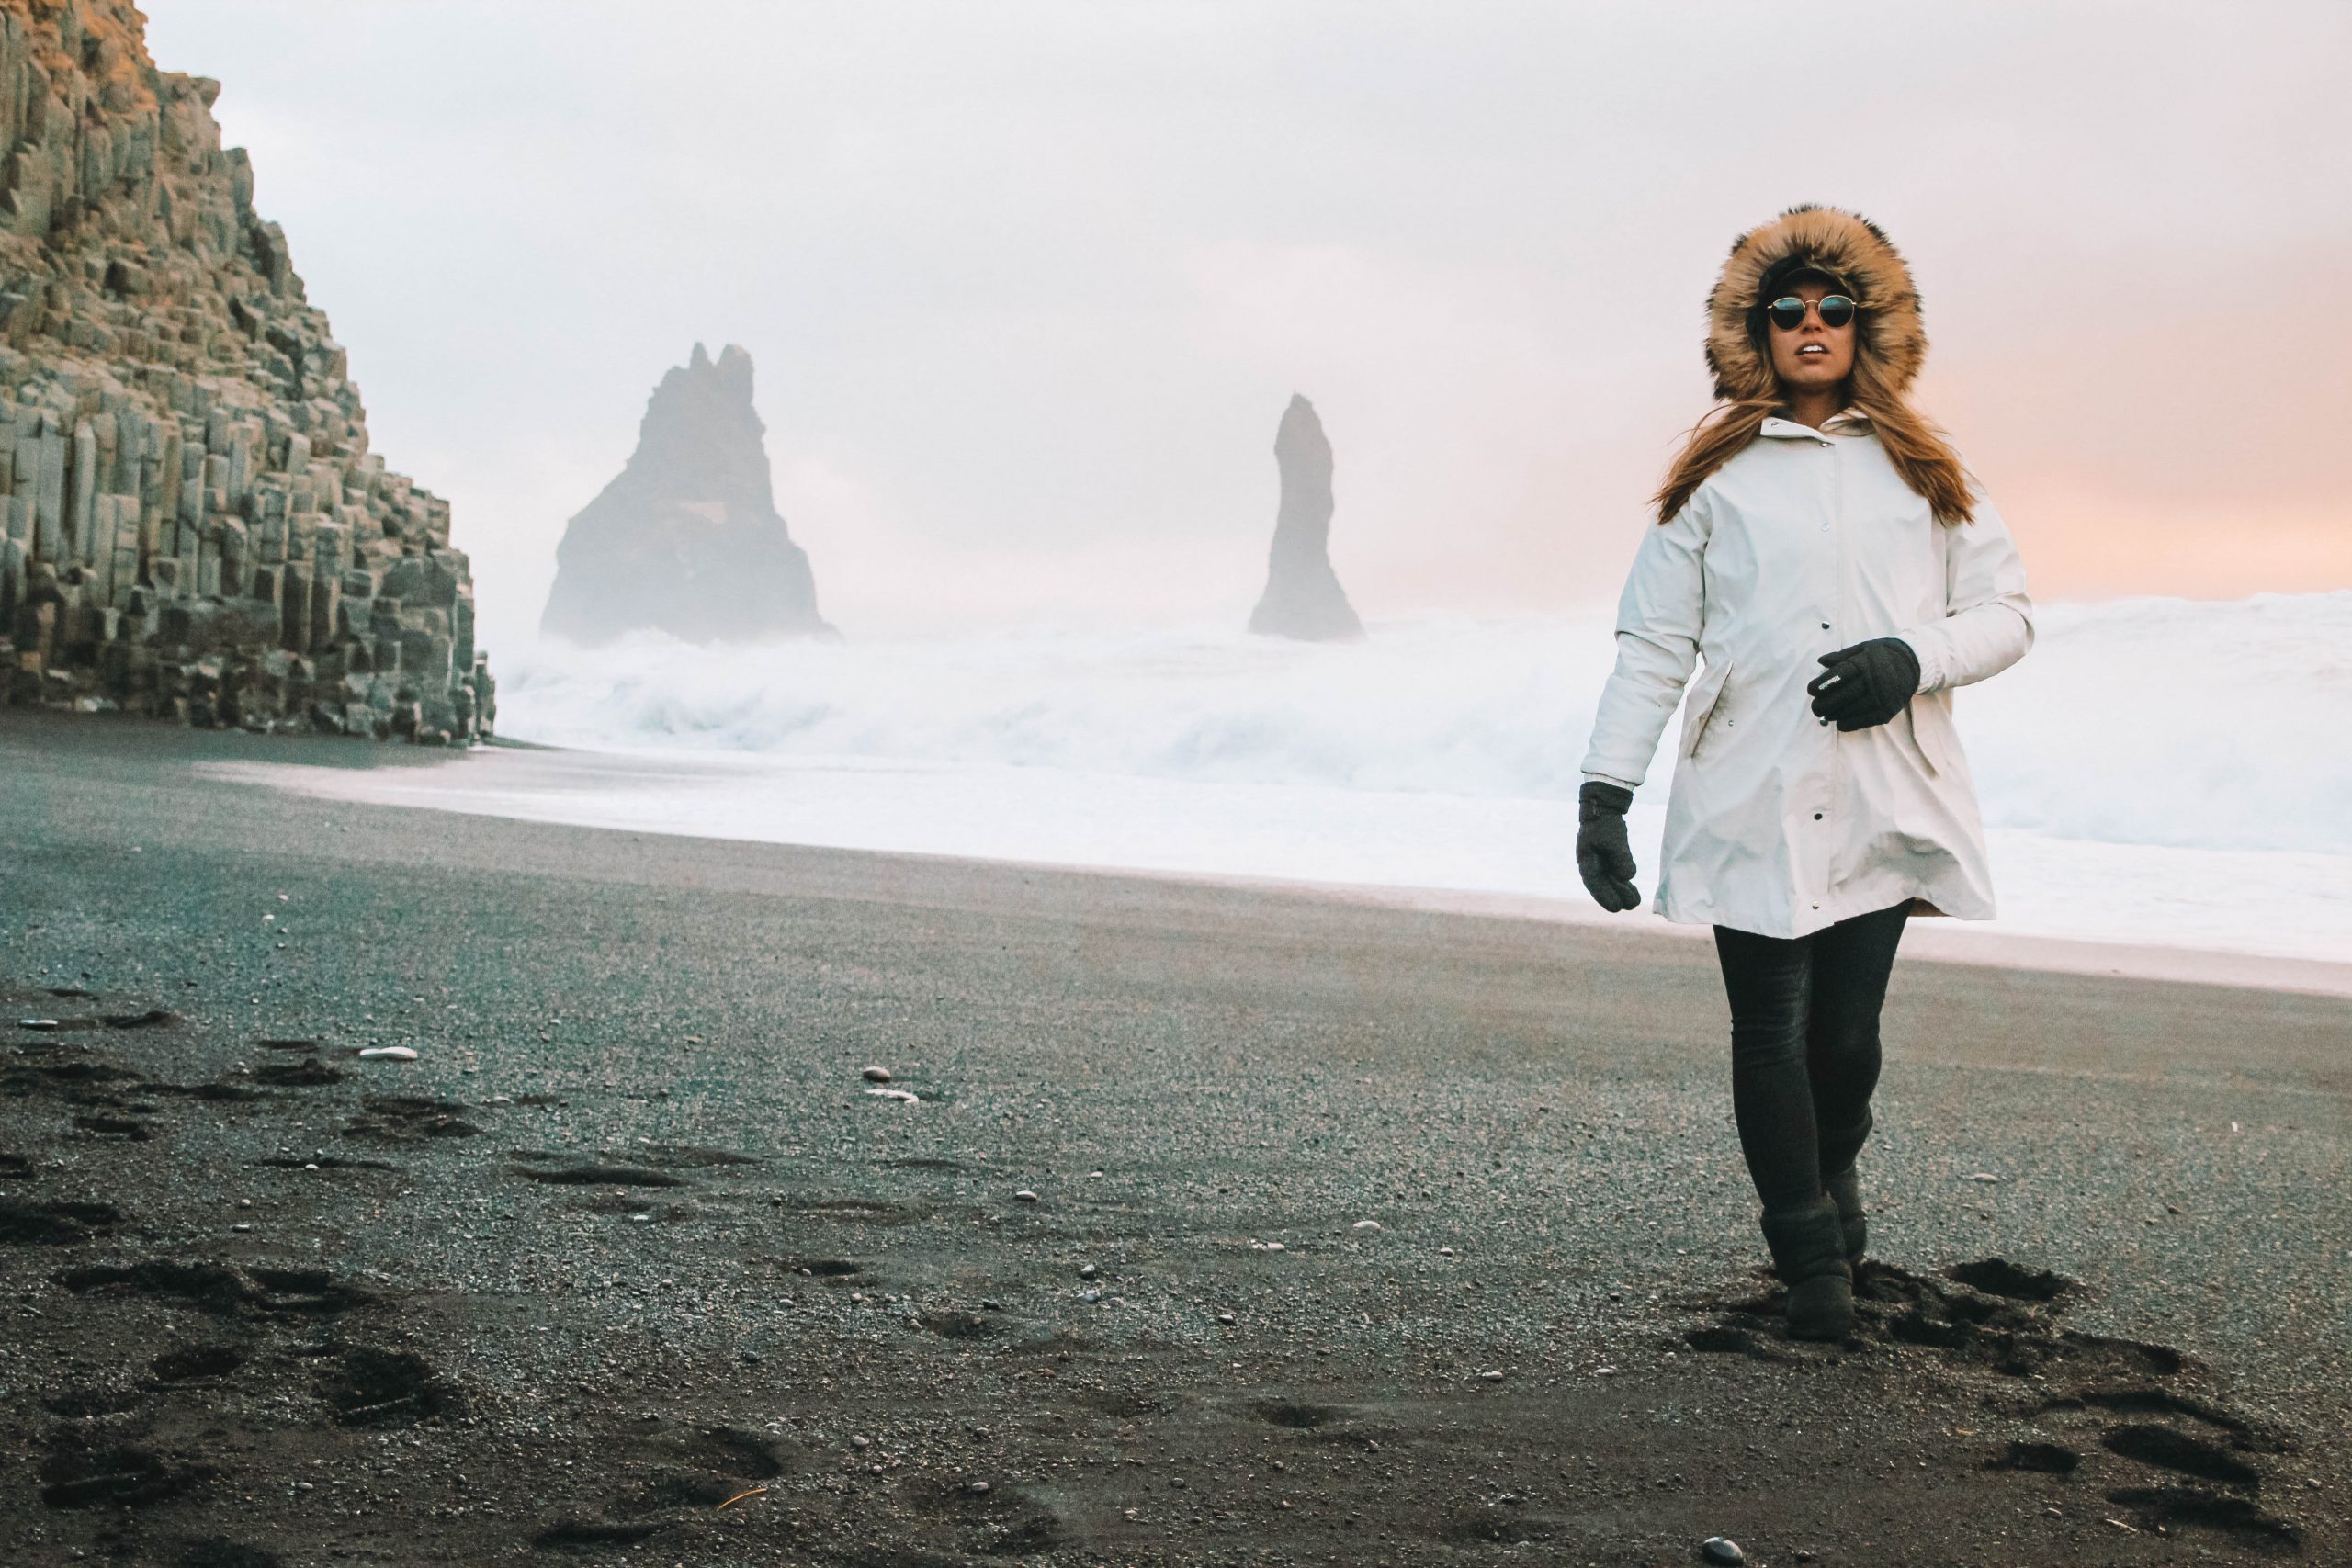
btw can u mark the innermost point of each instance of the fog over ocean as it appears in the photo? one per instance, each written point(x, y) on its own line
point(2158, 771)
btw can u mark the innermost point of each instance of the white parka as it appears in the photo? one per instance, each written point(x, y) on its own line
point(1779, 823)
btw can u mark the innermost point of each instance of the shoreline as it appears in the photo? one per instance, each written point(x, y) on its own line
point(1925, 940)
point(1929, 939)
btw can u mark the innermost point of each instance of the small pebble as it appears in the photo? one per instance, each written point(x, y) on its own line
point(241, 1229)
point(1369, 1226)
point(36, 1023)
point(388, 1054)
point(902, 1096)
point(1089, 1296)
point(1024, 1196)
point(1490, 1377)
point(1445, 1252)
point(877, 1074)
point(1986, 1176)
point(1225, 1318)
point(1087, 1270)
point(1721, 1551)
point(978, 1489)
point(861, 1442)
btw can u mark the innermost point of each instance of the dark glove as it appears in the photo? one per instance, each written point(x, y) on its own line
point(1604, 857)
point(1867, 683)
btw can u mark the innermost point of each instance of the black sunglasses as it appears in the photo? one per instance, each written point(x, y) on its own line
point(1787, 312)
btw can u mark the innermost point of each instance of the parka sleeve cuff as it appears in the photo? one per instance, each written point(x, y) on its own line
point(1973, 643)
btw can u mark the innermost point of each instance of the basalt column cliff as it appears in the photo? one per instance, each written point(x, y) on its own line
point(194, 527)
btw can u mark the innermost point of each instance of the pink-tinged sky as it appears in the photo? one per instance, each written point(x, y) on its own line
point(1028, 285)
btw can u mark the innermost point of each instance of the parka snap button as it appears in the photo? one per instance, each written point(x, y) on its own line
point(1816, 816)
point(1825, 625)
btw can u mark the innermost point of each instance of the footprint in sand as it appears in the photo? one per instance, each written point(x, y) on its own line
point(668, 1479)
point(1996, 1321)
point(219, 1288)
point(54, 1224)
point(84, 1470)
point(408, 1119)
point(365, 1386)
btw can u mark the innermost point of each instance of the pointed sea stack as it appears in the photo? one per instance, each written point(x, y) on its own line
point(687, 540)
point(1303, 598)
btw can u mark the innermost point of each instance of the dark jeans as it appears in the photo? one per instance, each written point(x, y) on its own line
point(1804, 1049)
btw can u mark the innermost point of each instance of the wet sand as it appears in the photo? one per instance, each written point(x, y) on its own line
point(890, 808)
point(629, 1265)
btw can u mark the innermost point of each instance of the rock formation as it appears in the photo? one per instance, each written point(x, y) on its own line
point(687, 540)
point(1303, 597)
point(194, 527)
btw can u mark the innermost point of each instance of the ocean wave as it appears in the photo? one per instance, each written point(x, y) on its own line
point(2158, 721)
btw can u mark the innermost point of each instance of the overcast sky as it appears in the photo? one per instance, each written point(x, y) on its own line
point(1027, 285)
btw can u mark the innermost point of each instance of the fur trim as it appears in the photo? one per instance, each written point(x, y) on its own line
point(1849, 247)
point(1891, 344)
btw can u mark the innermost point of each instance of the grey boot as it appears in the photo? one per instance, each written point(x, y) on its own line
point(1839, 1149)
point(1809, 1252)
point(1845, 1189)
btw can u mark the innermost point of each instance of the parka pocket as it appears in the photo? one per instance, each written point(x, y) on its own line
point(1705, 701)
point(1927, 720)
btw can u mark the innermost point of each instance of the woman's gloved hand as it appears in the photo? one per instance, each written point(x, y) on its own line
point(1867, 683)
point(1604, 857)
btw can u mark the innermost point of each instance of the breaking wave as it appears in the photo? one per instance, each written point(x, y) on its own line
point(2154, 721)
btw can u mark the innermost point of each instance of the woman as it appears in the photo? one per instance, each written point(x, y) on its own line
point(1824, 553)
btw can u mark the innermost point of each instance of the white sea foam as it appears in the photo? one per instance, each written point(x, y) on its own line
point(2141, 721)
point(2156, 771)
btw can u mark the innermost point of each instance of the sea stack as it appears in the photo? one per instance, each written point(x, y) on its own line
point(687, 540)
point(1303, 598)
point(192, 525)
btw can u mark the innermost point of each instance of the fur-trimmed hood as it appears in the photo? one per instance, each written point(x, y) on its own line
point(1890, 341)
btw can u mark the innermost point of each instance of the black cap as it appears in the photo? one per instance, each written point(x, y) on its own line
point(1790, 267)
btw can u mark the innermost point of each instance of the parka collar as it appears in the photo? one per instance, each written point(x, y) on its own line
point(1845, 422)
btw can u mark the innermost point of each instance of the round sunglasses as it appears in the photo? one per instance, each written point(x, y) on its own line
point(1788, 312)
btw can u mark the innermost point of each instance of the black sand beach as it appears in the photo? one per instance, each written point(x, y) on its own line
point(629, 1265)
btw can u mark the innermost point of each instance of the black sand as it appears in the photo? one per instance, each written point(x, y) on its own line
point(629, 1266)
